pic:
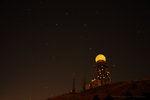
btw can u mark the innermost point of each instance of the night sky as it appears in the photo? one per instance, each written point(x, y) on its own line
point(43, 43)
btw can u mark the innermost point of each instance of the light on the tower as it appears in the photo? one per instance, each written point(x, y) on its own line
point(100, 57)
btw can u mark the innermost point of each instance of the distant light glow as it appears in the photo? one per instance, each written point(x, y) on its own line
point(100, 57)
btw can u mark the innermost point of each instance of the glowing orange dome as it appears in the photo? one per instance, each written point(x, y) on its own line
point(100, 57)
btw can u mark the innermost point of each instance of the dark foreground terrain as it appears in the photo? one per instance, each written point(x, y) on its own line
point(133, 90)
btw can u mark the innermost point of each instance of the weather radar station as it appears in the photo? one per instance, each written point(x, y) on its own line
point(102, 75)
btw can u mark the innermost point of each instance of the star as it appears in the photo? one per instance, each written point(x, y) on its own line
point(90, 49)
point(114, 66)
point(85, 25)
point(66, 13)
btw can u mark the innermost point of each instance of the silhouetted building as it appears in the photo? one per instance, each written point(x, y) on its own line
point(84, 83)
point(102, 75)
point(73, 84)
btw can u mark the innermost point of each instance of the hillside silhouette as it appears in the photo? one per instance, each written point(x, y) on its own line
point(133, 90)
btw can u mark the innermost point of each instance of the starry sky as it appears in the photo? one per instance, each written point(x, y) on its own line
point(43, 43)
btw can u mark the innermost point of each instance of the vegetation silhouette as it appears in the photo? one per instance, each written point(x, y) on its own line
point(96, 97)
point(133, 86)
point(129, 96)
point(146, 96)
point(108, 98)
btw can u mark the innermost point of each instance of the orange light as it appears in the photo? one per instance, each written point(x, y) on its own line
point(100, 57)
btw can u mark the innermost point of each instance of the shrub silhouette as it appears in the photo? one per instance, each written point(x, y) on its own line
point(109, 98)
point(96, 98)
point(146, 96)
point(129, 96)
point(133, 86)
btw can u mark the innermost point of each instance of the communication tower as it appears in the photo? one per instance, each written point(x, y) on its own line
point(102, 76)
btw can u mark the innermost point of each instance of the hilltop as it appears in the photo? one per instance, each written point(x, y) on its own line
point(136, 89)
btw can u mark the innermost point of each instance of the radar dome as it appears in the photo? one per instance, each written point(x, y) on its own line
point(100, 57)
